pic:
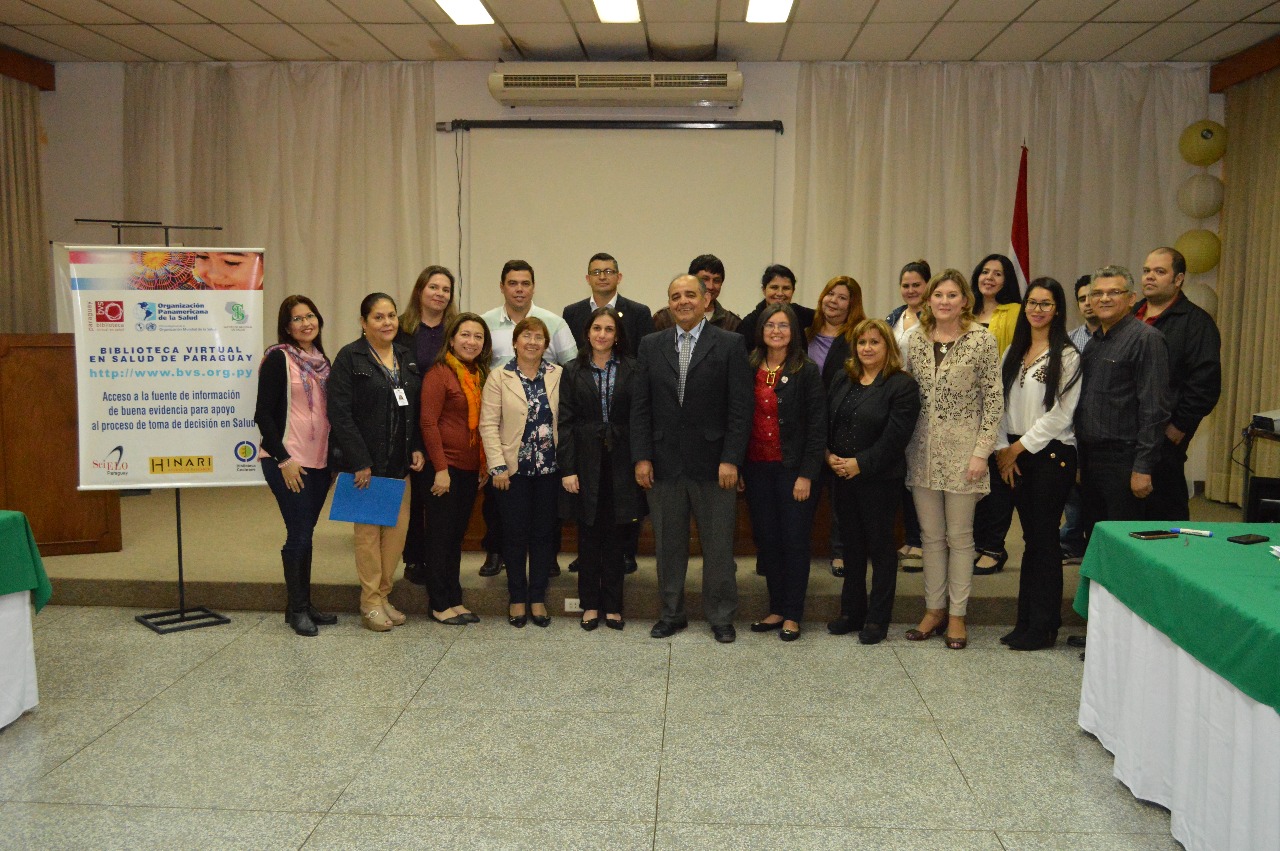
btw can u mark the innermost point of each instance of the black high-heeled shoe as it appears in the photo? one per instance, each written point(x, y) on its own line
point(766, 626)
point(590, 623)
point(541, 620)
point(518, 621)
point(615, 623)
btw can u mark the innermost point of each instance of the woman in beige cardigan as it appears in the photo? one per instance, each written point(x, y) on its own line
point(956, 363)
point(518, 426)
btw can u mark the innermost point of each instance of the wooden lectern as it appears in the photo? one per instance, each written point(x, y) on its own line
point(39, 449)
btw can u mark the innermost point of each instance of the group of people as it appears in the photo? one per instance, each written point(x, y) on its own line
point(964, 404)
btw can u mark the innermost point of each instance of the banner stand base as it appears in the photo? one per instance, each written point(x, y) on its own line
point(181, 618)
point(178, 620)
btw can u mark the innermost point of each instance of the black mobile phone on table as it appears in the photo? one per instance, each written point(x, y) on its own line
point(1248, 539)
point(1153, 534)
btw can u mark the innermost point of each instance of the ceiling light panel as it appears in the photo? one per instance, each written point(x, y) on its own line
point(466, 13)
point(768, 11)
point(618, 11)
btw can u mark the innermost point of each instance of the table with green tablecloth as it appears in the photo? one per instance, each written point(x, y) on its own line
point(22, 582)
point(1182, 675)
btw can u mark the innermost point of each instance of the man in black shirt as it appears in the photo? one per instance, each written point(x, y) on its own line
point(1123, 407)
point(1195, 374)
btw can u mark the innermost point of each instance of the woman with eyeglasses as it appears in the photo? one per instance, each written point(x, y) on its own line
point(1036, 453)
point(784, 458)
point(292, 418)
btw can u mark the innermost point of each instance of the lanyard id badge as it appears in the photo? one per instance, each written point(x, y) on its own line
point(402, 398)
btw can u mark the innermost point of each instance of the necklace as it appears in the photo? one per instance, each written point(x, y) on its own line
point(771, 375)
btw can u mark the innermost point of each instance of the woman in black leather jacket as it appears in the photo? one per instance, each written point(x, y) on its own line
point(373, 418)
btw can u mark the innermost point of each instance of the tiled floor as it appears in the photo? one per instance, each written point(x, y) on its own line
point(247, 736)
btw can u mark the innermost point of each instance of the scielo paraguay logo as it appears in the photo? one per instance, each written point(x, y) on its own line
point(245, 452)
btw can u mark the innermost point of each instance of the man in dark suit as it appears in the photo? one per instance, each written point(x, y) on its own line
point(603, 276)
point(690, 421)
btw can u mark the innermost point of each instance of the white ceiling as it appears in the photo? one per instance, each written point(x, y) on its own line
point(819, 30)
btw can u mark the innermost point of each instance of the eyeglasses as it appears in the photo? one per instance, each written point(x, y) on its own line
point(1106, 295)
point(777, 326)
point(306, 317)
point(602, 273)
point(1040, 306)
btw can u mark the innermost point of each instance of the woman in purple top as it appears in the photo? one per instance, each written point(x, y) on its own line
point(427, 314)
point(839, 310)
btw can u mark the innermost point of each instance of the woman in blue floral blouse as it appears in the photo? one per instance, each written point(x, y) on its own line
point(518, 421)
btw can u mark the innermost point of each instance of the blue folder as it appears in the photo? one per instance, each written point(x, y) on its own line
point(376, 505)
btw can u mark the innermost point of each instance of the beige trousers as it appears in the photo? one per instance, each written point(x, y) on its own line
point(946, 537)
point(378, 551)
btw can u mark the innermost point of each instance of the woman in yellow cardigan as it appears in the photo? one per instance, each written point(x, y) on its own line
point(997, 303)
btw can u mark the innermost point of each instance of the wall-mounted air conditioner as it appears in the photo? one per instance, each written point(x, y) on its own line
point(617, 84)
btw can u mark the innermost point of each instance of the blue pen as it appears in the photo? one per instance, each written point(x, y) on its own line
point(1198, 532)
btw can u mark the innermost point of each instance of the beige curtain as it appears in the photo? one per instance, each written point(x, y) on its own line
point(24, 251)
point(329, 166)
point(1248, 298)
point(897, 161)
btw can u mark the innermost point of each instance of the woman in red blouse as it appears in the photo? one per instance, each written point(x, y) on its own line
point(784, 458)
point(450, 419)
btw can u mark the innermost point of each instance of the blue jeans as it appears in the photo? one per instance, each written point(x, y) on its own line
point(299, 510)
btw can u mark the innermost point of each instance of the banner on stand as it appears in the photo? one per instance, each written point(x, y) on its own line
point(168, 343)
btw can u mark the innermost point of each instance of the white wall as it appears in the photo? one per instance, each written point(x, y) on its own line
point(769, 94)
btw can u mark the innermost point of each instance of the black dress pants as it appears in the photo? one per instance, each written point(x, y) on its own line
point(866, 509)
point(993, 515)
point(1040, 494)
point(1105, 470)
point(1168, 500)
point(528, 535)
point(415, 539)
point(447, 516)
point(601, 544)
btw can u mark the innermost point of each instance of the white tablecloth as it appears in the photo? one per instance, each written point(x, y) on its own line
point(17, 657)
point(1183, 737)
